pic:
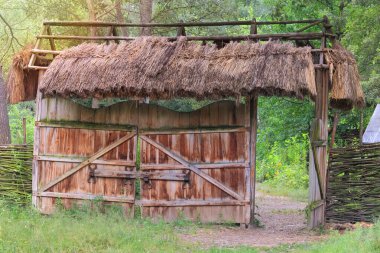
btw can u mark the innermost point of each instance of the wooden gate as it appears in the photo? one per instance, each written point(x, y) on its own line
point(191, 163)
point(206, 154)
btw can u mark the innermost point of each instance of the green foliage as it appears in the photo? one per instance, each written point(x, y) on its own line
point(183, 105)
point(285, 163)
point(16, 114)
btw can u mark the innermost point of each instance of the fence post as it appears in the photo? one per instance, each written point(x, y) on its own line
point(24, 130)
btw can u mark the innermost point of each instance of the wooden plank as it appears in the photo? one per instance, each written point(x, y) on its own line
point(138, 174)
point(202, 130)
point(81, 159)
point(317, 216)
point(191, 167)
point(180, 24)
point(88, 161)
point(226, 165)
point(35, 167)
point(283, 36)
point(210, 202)
point(66, 195)
point(42, 51)
point(82, 125)
point(252, 149)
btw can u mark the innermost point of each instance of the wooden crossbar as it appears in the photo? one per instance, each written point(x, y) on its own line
point(183, 24)
point(88, 161)
point(84, 196)
point(192, 167)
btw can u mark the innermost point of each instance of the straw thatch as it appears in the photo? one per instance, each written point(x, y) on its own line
point(156, 68)
point(346, 91)
point(22, 82)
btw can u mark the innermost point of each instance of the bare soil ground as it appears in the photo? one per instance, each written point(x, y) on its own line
point(282, 221)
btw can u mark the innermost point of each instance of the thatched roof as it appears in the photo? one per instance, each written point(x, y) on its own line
point(22, 82)
point(156, 68)
point(346, 91)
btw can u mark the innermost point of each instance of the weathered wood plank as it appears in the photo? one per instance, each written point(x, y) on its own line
point(83, 125)
point(66, 195)
point(226, 165)
point(81, 159)
point(209, 202)
point(89, 160)
point(203, 130)
point(192, 167)
point(138, 174)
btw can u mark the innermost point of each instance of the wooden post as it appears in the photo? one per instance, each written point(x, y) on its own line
point(333, 132)
point(319, 147)
point(24, 130)
point(252, 153)
point(35, 169)
point(361, 130)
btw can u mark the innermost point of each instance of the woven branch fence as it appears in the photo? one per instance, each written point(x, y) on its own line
point(353, 190)
point(16, 173)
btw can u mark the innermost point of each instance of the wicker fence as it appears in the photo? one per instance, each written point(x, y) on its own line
point(16, 173)
point(353, 191)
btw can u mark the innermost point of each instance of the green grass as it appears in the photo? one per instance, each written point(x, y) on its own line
point(300, 194)
point(80, 230)
point(86, 230)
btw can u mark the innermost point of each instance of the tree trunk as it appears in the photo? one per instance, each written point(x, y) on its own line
point(5, 133)
point(146, 7)
point(91, 15)
point(120, 17)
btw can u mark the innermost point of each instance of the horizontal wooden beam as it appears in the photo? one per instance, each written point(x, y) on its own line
point(321, 66)
point(107, 173)
point(42, 51)
point(66, 159)
point(84, 196)
point(185, 202)
point(184, 24)
point(198, 130)
point(283, 36)
point(151, 166)
point(83, 125)
point(37, 67)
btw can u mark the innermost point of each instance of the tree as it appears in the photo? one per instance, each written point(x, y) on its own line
point(146, 7)
point(5, 133)
point(91, 15)
point(120, 17)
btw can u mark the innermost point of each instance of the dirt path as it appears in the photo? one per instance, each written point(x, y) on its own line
point(283, 222)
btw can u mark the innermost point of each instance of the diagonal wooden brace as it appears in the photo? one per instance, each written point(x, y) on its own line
point(88, 161)
point(192, 167)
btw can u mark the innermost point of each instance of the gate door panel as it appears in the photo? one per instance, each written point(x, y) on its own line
point(71, 161)
point(209, 162)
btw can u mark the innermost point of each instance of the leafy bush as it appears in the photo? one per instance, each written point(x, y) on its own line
point(285, 163)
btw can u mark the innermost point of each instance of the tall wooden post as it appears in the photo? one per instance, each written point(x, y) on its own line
point(252, 152)
point(35, 169)
point(318, 154)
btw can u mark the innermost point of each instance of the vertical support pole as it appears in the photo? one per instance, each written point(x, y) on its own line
point(319, 165)
point(333, 132)
point(24, 130)
point(361, 130)
point(35, 169)
point(181, 30)
point(252, 149)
